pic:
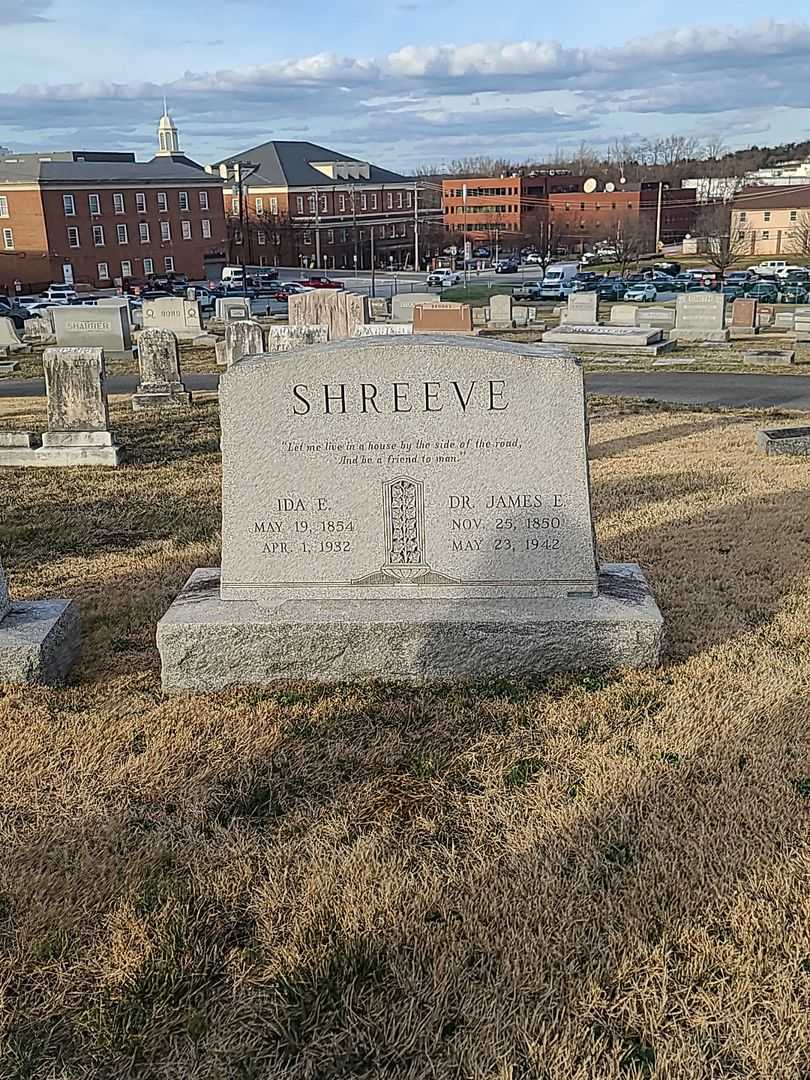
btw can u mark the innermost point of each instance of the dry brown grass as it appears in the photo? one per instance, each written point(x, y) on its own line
point(577, 879)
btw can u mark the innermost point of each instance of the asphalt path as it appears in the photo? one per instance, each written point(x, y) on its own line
point(684, 388)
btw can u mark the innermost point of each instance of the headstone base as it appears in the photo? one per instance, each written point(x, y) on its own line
point(39, 640)
point(792, 441)
point(169, 396)
point(699, 335)
point(49, 457)
point(743, 333)
point(208, 644)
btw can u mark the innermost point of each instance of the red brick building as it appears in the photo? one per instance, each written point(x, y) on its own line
point(579, 219)
point(100, 218)
point(511, 211)
point(306, 205)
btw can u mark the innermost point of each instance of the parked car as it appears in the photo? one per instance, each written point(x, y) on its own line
point(641, 293)
point(527, 290)
point(740, 277)
point(611, 289)
point(786, 271)
point(318, 281)
point(13, 311)
point(443, 278)
point(290, 287)
point(60, 294)
point(534, 257)
point(765, 291)
point(205, 297)
point(507, 266)
point(793, 294)
point(668, 267)
point(769, 268)
point(733, 292)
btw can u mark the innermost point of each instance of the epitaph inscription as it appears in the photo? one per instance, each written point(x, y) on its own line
point(411, 468)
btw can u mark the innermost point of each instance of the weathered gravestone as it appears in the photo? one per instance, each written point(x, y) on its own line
point(417, 509)
point(700, 317)
point(657, 316)
point(285, 338)
point(794, 442)
point(801, 323)
point(39, 639)
point(744, 319)
point(624, 315)
point(378, 307)
point(243, 337)
point(106, 328)
point(78, 431)
point(10, 340)
point(578, 336)
point(161, 386)
point(340, 311)
point(582, 309)
point(383, 330)
point(782, 321)
point(230, 307)
point(173, 313)
point(500, 310)
point(442, 317)
point(402, 304)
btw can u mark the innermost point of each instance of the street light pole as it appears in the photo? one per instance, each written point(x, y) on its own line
point(416, 227)
point(373, 280)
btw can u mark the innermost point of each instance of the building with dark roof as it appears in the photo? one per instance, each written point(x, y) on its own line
point(306, 205)
point(101, 218)
point(773, 220)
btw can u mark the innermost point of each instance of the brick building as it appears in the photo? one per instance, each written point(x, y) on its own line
point(306, 205)
point(772, 221)
point(580, 219)
point(100, 218)
point(507, 211)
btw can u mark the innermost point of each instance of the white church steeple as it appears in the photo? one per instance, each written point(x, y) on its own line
point(168, 140)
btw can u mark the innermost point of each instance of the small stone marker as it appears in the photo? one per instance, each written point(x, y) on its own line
point(402, 304)
point(500, 310)
point(700, 317)
point(39, 639)
point(769, 356)
point(284, 338)
point(624, 315)
point(791, 441)
point(340, 311)
point(658, 316)
point(582, 309)
point(418, 507)
point(783, 320)
point(78, 432)
point(801, 323)
point(744, 319)
point(104, 328)
point(378, 307)
point(243, 337)
point(161, 386)
point(442, 317)
point(10, 340)
point(173, 313)
point(626, 336)
point(232, 307)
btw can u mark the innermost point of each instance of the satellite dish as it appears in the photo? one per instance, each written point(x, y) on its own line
point(589, 185)
point(623, 180)
point(610, 187)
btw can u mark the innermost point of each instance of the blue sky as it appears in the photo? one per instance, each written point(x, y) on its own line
point(432, 81)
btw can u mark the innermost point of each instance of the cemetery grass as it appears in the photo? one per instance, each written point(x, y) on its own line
point(583, 877)
point(192, 359)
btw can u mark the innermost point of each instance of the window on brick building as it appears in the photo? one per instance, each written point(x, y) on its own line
point(344, 236)
point(103, 272)
point(206, 228)
point(323, 204)
point(312, 203)
point(143, 232)
point(165, 230)
point(149, 266)
point(94, 204)
point(126, 268)
point(766, 235)
point(4, 206)
point(259, 207)
point(203, 195)
point(8, 239)
point(168, 264)
point(273, 204)
point(185, 227)
point(743, 215)
point(307, 240)
point(766, 215)
point(363, 201)
point(374, 200)
point(410, 200)
point(400, 200)
point(794, 215)
point(390, 203)
point(69, 204)
point(261, 236)
point(118, 203)
point(140, 202)
point(330, 236)
point(184, 201)
point(741, 234)
point(162, 202)
point(73, 237)
point(299, 204)
point(122, 234)
point(237, 236)
point(98, 236)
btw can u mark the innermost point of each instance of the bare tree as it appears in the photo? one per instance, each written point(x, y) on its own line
point(634, 238)
point(725, 242)
point(801, 234)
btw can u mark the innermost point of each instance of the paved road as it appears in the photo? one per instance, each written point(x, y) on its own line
point(687, 388)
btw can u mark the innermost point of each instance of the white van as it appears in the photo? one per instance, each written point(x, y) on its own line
point(557, 280)
point(233, 275)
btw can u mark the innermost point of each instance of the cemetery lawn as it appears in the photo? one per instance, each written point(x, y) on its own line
point(191, 359)
point(582, 878)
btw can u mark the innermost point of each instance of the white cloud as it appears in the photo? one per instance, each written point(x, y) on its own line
point(23, 11)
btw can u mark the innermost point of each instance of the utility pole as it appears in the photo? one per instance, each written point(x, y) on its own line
point(317, 232)
point(416, 227)
point(239, 178)
point(464, 237)
point(373, 280)
point(354, 225)
point(658, 215)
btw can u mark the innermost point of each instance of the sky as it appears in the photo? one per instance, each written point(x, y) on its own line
point(403, 83)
